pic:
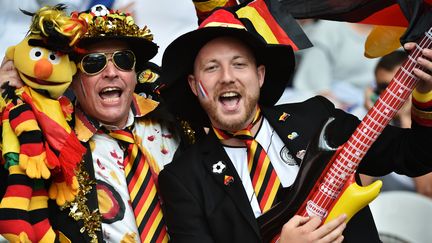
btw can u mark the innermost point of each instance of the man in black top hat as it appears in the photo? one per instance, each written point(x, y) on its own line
point(224, 77)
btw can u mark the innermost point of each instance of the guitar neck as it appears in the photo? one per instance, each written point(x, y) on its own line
point(353, 151)
point(386, 107)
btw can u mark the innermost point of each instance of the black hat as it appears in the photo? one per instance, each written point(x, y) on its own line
point(179, 56)
point(107, 24)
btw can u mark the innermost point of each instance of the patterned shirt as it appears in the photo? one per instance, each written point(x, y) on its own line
point(158, 144)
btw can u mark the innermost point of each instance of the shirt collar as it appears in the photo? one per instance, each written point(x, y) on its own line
point(86, 127)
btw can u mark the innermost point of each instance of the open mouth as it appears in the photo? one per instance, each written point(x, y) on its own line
point(110, 93)
point(42, 82)
point(229, 100)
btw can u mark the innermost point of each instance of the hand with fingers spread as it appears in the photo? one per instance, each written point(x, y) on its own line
point(309, 229)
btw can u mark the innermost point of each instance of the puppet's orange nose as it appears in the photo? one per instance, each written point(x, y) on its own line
point(43, 69)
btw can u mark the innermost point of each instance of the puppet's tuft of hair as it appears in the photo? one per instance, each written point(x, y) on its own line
point(59, 32)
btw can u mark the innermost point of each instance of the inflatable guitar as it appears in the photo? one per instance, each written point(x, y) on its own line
point(334, 182)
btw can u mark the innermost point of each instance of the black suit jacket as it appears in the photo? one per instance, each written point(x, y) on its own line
point(200, 207)
point(60, 219)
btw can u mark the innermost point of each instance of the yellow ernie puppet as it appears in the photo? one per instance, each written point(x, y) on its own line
point(37, 142)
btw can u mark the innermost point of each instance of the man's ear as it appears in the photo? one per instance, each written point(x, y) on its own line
point(261, 74)
point(192, 84)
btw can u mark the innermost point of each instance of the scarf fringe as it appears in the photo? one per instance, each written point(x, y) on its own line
point(70, 156)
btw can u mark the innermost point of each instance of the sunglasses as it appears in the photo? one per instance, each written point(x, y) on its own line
point(94, 63)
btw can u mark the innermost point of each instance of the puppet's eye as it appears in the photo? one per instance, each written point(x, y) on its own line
point(54, 58)
point(36, 53)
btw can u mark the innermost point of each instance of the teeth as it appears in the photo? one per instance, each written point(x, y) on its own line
point(229, 95)
point(110, 89)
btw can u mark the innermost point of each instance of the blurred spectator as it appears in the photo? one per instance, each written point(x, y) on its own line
point(385, 70)
point(336, 66)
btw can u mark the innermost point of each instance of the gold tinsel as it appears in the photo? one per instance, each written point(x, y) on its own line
point(78, 208)
point(58, 19)
point(188, 131)
point(114, 24)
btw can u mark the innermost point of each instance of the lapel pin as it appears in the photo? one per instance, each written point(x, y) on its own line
point(286, 156)
point(228, 180)
point(284, 116)
point(293, 135)
point(300, 154)
point(219, 167)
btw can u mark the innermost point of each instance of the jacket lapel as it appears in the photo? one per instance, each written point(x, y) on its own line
point(92, 200)
point(290, 127)
point(219, 165)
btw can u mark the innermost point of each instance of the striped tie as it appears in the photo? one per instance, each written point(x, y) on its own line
point(263, 176)
point(142, 190)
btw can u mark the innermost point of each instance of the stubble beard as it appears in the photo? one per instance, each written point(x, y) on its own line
point(231, 124)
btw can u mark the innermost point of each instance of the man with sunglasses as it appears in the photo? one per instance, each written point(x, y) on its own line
point(127, 140)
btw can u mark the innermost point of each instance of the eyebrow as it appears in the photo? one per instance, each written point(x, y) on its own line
point(238, 56)
point(232, 59)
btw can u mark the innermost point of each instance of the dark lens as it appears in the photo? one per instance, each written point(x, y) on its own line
point(93, 63)
point(124, 60)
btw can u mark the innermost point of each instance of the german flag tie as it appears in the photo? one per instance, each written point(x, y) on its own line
point(142, 190)
point(263, 176)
